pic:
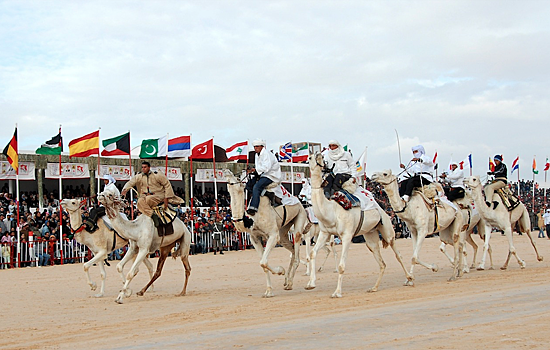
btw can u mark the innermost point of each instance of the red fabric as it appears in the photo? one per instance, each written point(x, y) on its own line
point(203, 150)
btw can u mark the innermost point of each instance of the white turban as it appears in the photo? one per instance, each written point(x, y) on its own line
point(337, 153)
point(110, 178)
point(454, 163)
point(420, 149)
point(258, 142)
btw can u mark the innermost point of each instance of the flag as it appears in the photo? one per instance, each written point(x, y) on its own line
point(435, 158)
point(237, 151)
point(300, 154)
point(85, 146)
point(547, 165)
point(466, 163)
point(535, 171)
point(285, 153)
point(361, 163)
point(117, 146)
point(179, 147)
point(203, 150)
point(53, 146)
point(10, 151)
point(515, 165)
point(345, 147)
point(491, 165)
point(153, 148)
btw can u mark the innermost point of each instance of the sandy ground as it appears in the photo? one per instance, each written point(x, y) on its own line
point(53, 307)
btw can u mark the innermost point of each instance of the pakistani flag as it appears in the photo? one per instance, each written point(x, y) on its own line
point(53, 146)
point(154, 148)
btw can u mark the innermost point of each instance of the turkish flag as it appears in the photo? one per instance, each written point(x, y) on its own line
point(203, 150)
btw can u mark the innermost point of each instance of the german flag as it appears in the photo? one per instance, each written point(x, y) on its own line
point(85, 146)
point(10, 151)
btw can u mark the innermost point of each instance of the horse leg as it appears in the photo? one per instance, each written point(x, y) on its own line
point(371, 239)
point(187, 266)
point(346, 242)
point(320, 243)
point(160, 265)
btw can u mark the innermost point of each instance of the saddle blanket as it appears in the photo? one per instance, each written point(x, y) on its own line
point(366, 198)
point(285, 196)
point(311, 215)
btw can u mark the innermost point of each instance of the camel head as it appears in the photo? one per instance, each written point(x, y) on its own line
point(112, 202)
point(472, 182)
point(316, 161)
point(233, 183)
point(72, 205)
point(383, 177)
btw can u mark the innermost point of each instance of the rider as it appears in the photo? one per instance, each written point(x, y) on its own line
point(153, 188)
point(456, 179)
point(500, 174)
point(421, 172)
point(267, 170)
point(341, 166)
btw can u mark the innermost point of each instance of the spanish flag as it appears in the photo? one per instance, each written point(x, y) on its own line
point(11, 152)
point(491, 165)
point(85, 146)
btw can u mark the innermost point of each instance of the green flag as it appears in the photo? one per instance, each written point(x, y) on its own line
point(53, 146)
point(153, 148)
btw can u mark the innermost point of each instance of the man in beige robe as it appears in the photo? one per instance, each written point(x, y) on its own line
point(153, 188)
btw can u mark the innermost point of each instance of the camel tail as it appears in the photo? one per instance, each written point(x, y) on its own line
point(184, 245)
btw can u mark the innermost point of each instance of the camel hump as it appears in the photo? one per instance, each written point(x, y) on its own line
point(272, 186)
point(508, 198)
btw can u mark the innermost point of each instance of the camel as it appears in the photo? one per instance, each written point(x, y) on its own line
point(421, 220)
point(142, 231)
point(333, 219)
point(471, 219)
point(312, 231)
point(101, 242)
point(271, 224)
point(503, 220)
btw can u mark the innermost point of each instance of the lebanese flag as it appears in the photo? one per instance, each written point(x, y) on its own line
point(238, 151)
point(203, 150)
point(547, 165)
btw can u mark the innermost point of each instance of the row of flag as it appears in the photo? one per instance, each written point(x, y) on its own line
point(288, 153)
point(515, 165)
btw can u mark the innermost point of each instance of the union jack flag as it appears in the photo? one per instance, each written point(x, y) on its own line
point(285, 153)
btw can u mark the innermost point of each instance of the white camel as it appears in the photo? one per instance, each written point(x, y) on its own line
point(272, 225)
point(333, 219)
point(471, 220)
point(503, 220)
point(101, 242)
point(311, 231)
point(423, 221)
point(143, 232)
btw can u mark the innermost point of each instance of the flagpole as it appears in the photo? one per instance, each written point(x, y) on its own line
point(191, 191)
point(292, 171)
point(215, 183)
point(545, 189)
point(17, 197)
point(470, 163)
point(518, 175)
point(131, 192)
point(365, 167)
point(60, 199)
point(533, 207)
point(166, 157)
point(98, 165)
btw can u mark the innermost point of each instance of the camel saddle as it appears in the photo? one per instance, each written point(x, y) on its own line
point(508, 198)
point(429, 194)
point(346, 199)
point(165, 218)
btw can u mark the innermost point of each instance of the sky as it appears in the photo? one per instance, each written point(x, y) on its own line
point(458, 77)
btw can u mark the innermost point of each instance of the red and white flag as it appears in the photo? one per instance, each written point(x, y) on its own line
point(203, 150)
point(238, 151)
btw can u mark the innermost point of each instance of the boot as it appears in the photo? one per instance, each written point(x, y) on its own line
point(495, 203)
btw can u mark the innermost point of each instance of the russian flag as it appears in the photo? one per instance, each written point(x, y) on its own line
point(515, 165)
point(179, 147)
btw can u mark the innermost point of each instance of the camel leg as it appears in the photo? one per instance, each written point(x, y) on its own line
point(471, 242)
point(126, 292)
point(416, 260)
point(346, 242)
point(327, 250)
point(97, 259)
point(320, 243)
point(371, 239)
point(525, 227)
point(443, 249)
point(151, 272)
point(270, 244)
point(388, 235)
point(187, 267)
point(260, 250)
point(160, 265)
point(334, 253)
point(103, 277)
point(488, 232)
point(130, 255)
point(511, 250)
point(307, 239)
point(294, 249)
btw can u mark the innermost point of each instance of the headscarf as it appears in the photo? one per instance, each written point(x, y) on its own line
point(335, 154)
point(420, 149)
point(258, 142)
point(454, 163)
point(110, 178)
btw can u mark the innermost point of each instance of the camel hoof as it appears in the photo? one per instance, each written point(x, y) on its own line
point(320, 269)
point(522, 265)
point(127, 293)
point(473, 266)
point(451, 279)
point(93, 286)
point(289, 287)
point(268, 294)
point(281, 271)
point(409, 283)
point(118, 300)
point(480, 268)
point(98, 295)
point(140, 293)
point(310, 286)
point(491, 268)
point(540, 258)
point(435, 268)
point(180, 294)
point(372, 290)
point(503, 268)
point(336, 295)
point(306, 274)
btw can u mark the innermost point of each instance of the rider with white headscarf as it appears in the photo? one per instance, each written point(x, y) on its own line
point(109, 182)
point(267, 170)
point(341, 166)
point(455, 178)
point(421, 172)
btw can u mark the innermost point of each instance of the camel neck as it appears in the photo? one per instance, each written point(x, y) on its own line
point(76, 219)
point(392, 190)
point(477, 196)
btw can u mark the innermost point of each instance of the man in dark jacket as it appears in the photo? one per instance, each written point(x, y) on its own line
point(501, 179)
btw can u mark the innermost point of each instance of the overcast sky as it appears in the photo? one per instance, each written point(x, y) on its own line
point(457, 77)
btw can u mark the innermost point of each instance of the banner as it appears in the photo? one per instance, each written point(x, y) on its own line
point(26, 171)
point(70, 171)
point(119, 172)
point(122, 172)
point(207, 175)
